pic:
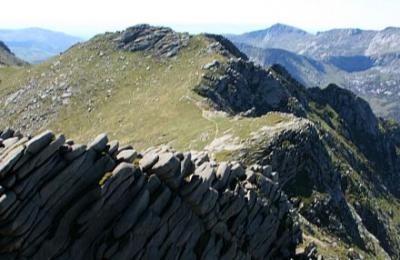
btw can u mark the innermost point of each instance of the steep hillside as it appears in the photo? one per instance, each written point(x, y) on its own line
point(362, 61)
point(7, 58)
point(35, 44)
point(336, 161)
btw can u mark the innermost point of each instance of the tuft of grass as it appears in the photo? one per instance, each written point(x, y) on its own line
point(225, 155)
point(105, 178)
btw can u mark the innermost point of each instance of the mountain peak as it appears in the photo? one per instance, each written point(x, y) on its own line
point(277, 29)
point(284, 28)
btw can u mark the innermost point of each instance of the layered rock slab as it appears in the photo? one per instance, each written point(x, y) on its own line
point(101, 201)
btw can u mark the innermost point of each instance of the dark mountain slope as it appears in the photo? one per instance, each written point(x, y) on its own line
point(7, 58)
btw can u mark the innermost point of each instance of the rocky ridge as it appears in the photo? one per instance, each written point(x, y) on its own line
point(63, 200)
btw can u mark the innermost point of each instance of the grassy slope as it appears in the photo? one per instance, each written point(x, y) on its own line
point(134, 97)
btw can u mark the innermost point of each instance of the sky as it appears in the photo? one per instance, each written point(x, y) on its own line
point(88, 17)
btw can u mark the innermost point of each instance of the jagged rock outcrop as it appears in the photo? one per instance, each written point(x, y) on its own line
point(62, 200)
point(225, 47)
point(226, 85)
point(162, 40)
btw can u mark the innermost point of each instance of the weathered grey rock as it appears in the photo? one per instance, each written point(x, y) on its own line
point(10, 160)
point(159, 204)
point(206, 173)
point(213, 64)
point(75, 152)
point(162, 41)
point(200, 158)
point(267, 170)
point(9, 181)
point(10, 141)
point(166, 166)
point(132, 214)
point(251, 176)
point(191, 185)
point(6, 133)
point(148, 161)
point(125, 147)
point(153, 183)
point(6, 200)
point(208, 202)
point(39, 142)
point(223, 174)
point(196, 196)
point(7, 150)
point(40, 158)
point(238, 171)
point(127, 155)
point(186, 165)
point(99, 144)
point(114, 145)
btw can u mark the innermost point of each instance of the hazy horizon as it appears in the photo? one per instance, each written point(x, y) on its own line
point(191, 28)
point(87, 18)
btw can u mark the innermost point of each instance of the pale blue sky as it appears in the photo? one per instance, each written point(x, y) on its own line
point(87, 17)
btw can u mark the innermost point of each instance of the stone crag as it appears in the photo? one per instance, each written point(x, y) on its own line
point(163, 41)
point(104, 201)
point(226, 85)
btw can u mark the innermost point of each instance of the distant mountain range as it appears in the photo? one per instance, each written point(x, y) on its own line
point(364, 61)
point(35, 45)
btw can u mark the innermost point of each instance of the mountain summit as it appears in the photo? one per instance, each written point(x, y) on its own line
point(279, 28)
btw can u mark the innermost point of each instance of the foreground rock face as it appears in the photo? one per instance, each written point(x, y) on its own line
point(102, 201)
